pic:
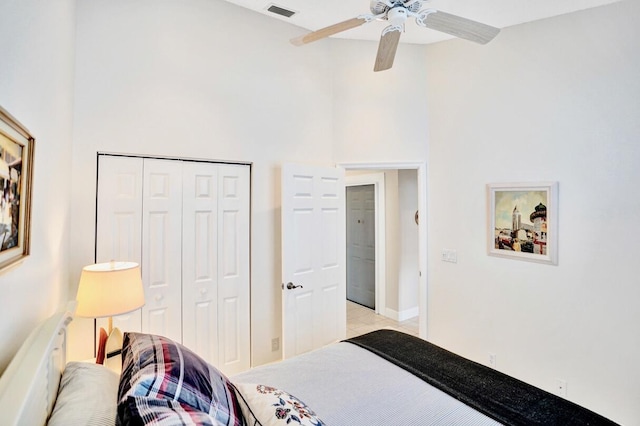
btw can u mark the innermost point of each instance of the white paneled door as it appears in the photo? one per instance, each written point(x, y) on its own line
point(162, 248)
point(199, 257)
point(233, 268)
point(187, 224)
point(216, 264)
point(119, 218)
point(313, 257)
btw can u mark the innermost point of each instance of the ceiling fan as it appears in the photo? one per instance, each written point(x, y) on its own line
point(397, 12)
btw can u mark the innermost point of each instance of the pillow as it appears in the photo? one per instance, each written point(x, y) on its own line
point(113, 351)
point(157, 367)
point(140, 411)
point(267, 406)
point(102, 342)
point(87, 396)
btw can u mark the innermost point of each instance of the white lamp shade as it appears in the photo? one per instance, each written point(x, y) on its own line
point(108, 289)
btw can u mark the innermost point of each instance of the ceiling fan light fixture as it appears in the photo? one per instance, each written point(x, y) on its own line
point(397, 16)
point(396, 12)
point(279, 10)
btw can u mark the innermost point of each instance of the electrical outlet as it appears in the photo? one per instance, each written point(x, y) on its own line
point(492, 360)
point(275, 344)
point(561, 388)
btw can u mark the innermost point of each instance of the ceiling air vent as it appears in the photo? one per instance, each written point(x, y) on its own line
point(281, 11)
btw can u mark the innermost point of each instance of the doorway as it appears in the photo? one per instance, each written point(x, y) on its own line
point(377, 181)
point(365, 174)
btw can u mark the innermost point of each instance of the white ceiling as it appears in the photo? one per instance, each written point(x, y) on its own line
point(316, 14)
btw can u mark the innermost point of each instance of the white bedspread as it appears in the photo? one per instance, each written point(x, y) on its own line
point(348, 386)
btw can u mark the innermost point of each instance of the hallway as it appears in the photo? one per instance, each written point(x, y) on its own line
point(361, 320)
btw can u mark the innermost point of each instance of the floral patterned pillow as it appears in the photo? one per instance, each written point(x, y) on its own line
point(266, 406)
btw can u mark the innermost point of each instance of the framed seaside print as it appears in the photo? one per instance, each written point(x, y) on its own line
point(16, 172)
point(523, 221)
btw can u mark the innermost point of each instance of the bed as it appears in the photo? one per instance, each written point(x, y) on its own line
point(381, 378)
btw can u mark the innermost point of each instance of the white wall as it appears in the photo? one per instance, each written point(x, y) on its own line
point(205, 79)
point(555, 100)
point(378, 116)
point(408, 261)
point(392, 243)
point(36, 72)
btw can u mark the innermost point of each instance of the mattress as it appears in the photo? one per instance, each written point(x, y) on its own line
point(348, 385)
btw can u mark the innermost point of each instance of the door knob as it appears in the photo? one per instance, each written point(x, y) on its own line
point(291, 286)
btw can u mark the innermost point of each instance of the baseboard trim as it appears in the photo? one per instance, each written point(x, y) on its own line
point(402, 315)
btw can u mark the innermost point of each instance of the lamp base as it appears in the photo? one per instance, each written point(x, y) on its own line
point(102, 341)
point(113, 351)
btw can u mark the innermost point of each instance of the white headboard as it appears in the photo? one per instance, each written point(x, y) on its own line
point(29, 385)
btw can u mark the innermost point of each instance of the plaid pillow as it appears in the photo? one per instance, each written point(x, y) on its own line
point(141, 411)
point(157, 367)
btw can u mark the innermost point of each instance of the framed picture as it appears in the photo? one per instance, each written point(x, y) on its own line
point(523, 221)
point(16, 174)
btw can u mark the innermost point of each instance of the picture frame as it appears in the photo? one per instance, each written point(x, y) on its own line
point(523, 221)
point(16, 177)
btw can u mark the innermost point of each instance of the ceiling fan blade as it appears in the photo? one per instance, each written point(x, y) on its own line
point(387, 48)
point(460, 27)
point(328, 31)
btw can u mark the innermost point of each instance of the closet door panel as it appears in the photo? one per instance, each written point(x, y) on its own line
point(162, 248)
point(199, 259)
point(233, 268)
point(119, 221)
point(187, 224)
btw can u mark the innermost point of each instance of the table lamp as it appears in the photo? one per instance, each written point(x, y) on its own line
point(108, 289)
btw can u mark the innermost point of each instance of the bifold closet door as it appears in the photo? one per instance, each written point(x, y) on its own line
point(199, 259)
point(216, 263)
point(187, 224)
point(119, 221)
point(233, 268)
point(162, 248)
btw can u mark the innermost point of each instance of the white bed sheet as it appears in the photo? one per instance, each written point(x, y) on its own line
point(348, 386)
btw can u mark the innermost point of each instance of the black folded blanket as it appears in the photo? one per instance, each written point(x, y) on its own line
point(501, 397)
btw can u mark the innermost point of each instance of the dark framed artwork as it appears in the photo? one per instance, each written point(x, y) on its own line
point(16, 175)
point(523, 221)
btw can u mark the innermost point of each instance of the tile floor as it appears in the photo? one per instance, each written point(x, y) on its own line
point(361, 320)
